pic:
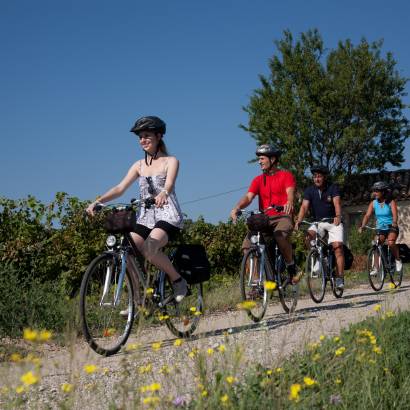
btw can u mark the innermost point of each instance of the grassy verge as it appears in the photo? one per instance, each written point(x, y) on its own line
point(367, 366)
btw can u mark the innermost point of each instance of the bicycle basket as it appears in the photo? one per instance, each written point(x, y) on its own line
point(121, 221)
point(258, 222)
point(192, 263)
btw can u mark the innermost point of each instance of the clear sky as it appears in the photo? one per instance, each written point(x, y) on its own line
point(75, 75)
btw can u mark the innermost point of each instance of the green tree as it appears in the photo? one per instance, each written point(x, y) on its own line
point(341, 107)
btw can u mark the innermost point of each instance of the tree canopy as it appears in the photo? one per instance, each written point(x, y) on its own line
point(342, 108)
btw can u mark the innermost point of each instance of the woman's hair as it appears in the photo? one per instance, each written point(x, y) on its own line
point(162, 147)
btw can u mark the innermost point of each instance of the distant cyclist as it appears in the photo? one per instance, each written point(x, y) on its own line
point(156, 175)
point(273, 187)
point(323, 201)
point(385, 210)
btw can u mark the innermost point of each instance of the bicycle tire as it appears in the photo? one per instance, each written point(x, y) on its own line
point(316, 281)
point(250, 291)
point(377, 280)
point(288, 293)
point(181, 318)
point(104, 328)
point(395, 277)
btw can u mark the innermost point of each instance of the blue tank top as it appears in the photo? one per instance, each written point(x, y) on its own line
point(384, 215)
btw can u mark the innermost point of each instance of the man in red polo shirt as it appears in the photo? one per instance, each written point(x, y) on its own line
point(273, 187)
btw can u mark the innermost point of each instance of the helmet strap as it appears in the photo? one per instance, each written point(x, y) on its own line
point(152, 157)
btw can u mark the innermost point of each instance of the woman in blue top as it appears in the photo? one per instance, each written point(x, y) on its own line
point(385, 210)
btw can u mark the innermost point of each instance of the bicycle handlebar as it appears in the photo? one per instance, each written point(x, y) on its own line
point(304, 221)
point(148, 202)
point(277, 208)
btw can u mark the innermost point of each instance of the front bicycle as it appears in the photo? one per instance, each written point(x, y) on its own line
point(107, 293)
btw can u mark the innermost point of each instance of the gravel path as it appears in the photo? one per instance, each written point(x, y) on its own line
point(246, 343)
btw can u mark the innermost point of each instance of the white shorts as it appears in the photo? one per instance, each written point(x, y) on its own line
point(335, 231)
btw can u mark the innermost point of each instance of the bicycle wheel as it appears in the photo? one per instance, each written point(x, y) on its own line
point(288, 293)
point(104, 328)
point(254, 295)
point(181, 318)
point(375, 269)
point(316, 279)
point(396, 277)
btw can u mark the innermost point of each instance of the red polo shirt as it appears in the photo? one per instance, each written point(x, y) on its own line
point(273, 190)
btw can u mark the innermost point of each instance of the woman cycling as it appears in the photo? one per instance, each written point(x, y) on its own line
point(385, 210)
point(156, 175)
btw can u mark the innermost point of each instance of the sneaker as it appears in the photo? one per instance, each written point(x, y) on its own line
point(295, 274)
point(399, 265)
point(373, 272)
point(340, 283)
point(315, 269)
point(180, 288)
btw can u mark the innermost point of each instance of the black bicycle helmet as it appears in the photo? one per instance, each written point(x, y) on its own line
point(149, 123)
point(320, 169)
point(268, 150)
point(380, 186)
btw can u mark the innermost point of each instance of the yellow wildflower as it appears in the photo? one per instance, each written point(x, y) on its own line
point(278, 370)
point(192, 309)
point(132, 346)
point(224, 399)
point(165, 369)
point(29, 378)
point(197, 313)
point(246, 305)
point(295, 391)
point(377, 349)
point(145, 369)
point(322, 337)
point(210, 351)
point(269, 372)
point(309, 381)
point(16, 357)
point(336, 339)
point(313, 346)
point(150, 291)
point(338, 381)
point(222, 348)
point(90, 368)
point(340, 351)
point(66, 387)
point(377, 308)
point(390, 313)
point(156, 346)
point(178, 342)
point(30, 335)
point(20, 389)
point(204, 393)
point(392, 286)
point(155, 387)
point(316, 357)
point(231, 379)
point(151, 401)
point(269, 285)
point(44, 336)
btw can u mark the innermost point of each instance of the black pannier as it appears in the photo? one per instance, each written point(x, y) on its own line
point(348, 257)
point(192, 263)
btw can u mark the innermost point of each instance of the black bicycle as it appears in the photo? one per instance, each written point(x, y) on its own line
point(116, 290)
point(320, 266)
point(380, 262)
point(263, 270)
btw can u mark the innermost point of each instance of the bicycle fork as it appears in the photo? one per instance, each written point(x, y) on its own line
point(107, 281)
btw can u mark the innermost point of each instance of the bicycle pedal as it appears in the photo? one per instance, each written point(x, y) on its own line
point(166, 301)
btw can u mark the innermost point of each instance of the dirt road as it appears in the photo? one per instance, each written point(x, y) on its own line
point(266, 342)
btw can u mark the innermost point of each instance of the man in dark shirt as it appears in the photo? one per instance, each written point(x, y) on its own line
point(323, 201)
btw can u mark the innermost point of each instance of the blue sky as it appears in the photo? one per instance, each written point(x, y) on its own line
point(75, 75)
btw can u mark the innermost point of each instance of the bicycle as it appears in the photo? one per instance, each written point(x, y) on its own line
point(116, 290)
point(262, 263)
point(377, 271)
point(321, 266)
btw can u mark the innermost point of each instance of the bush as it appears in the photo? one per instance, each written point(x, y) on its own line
point(27, 302)
point(360, 243)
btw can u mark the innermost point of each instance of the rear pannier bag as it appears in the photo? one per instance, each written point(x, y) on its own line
point(192, 263)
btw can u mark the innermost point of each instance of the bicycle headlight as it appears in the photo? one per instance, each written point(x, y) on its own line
point(254, 239)
point(111, 240)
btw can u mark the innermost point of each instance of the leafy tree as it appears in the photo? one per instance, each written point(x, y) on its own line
point(342, 107)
